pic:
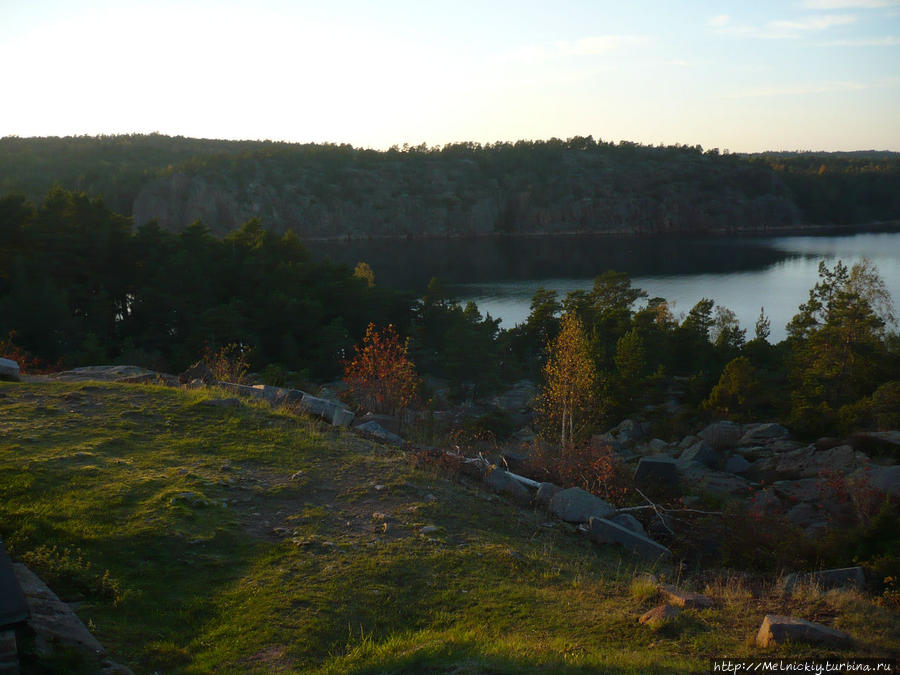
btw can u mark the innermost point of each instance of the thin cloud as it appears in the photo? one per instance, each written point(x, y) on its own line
point(849, 4)
point(888, 41)
point(599, 44)
point(719, 21)
point(784, 28)
point(800, 89)
point(586, 46)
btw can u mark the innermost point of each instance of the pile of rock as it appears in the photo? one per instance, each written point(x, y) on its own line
point(731, 460)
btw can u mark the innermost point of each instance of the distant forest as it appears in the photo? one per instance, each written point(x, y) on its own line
point(460, 189)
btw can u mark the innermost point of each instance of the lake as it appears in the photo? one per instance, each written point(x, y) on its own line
point(742, 273)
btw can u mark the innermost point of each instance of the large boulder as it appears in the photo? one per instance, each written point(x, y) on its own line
point(628, 432)
point(9, 370)
point(629, 521)
point(806, 462)
point(389, 422)
point(884, 479)
point(545, 494)
point(380, 433)
point(844, 577)
point(737, 465)
point(722, 435)
point(877, 443)
point(517, 398)
point(198, 371)
point(575, 505)
point(700, 477)
point(603, 531)
point(777, 630)
point(803, 490)
point(682, 598)
point(278, 395)
point(659, 616)
point(702, 452)
point(502, 482)
point(658, 473)
point(757, 434)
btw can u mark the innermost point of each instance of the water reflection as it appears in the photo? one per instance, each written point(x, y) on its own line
point(501, 275)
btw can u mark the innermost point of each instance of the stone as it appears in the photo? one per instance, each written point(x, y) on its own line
point(628, 432)
point(658, 471)
point(545, 493)
point(655, 446)
point(341, 416)
point(736, 464)
point(686, 599)
point(877, 442)
point(765, 502)
point(9, 652)
point(756, 434)
point(722, 435)
point(688, 441)
point(885, 479)
point(380, 433)
point(629, 521)
point(429, 529)
point(704, 479)
point(198, 371)
point(53, 619)
point(659, 615)
point(777, 629)
point(701, 452)
point(826, 443)
point(9, 370)
point(603, 531)
point(13, 606)
point(807, 463)
point(844, 577)
point(802, 490)
point(502, 482)
point(520, 396)
point(388, 422)
point(804, 514)
point(575, 505)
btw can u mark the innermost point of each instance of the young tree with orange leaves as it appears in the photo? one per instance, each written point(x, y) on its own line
point(381, 376)
point(569, 381)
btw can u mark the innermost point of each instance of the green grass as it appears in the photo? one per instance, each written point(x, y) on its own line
point(201, 539)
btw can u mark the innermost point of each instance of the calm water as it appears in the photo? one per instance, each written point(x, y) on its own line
point(743, 274)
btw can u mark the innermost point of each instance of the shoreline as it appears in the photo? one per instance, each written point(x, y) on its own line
point(625, 233)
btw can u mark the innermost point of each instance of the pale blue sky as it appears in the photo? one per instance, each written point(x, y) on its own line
point(746, 76)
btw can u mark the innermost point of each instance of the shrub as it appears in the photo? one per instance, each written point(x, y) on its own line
point(230, 363)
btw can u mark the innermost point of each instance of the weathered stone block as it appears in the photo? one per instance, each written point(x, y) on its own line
point(575, 505)
point(9, 370)
point(722, 435)
point(686, 599)
point(777, 629)
point(500, 481)
point(604, 531)
point(659, 615)
point(659, 472)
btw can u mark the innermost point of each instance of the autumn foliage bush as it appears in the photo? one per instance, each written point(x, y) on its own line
point(27, 363)
point(381, 377)
point(592, 467)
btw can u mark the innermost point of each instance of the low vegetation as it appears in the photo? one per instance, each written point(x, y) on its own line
point(198, 538)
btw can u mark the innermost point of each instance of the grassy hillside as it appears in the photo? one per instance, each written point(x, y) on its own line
point(198, 538)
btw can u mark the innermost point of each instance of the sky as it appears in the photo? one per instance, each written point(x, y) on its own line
point(741, 76)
